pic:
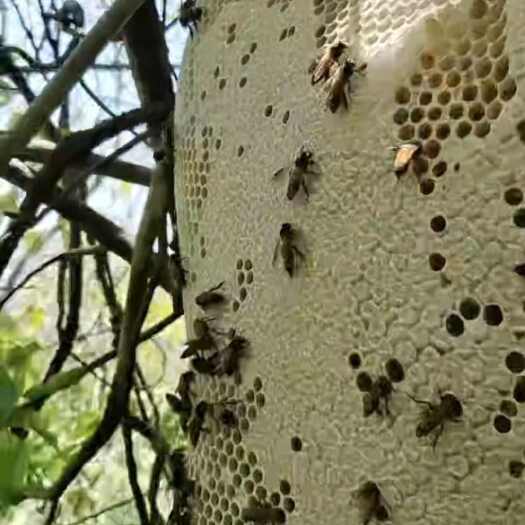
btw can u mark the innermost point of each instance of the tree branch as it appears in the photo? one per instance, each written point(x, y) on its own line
point(61, 84)
point(118, 398)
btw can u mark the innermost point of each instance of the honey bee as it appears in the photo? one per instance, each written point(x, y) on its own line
point(203, 338)
point(184, 386)
point(190, 15)
point(321, 69)
point(339, 90)
point(434, 416)
point(210, 297)
point(205, 366)
point(226, 416)
point(196, 424)
point(296, 173)
point(404, 156)
point(261, 515)
point(381, 389)
point(371, 503)
point(229, 357)
point(289, 252)
point(182, 407)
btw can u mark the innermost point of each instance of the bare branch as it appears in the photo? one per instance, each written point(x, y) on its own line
point(140, 504)
point(101, 511)
point(42, 267)
point(118, 398)
point(61, 84)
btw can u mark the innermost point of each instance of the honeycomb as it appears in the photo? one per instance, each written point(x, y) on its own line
point(416, 279)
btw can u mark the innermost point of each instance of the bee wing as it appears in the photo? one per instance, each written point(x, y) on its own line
point(320, 71)
point(404, 155)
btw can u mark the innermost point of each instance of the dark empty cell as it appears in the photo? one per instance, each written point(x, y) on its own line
point(268, 111)
point(286, 117)
point(419, 166)
point(454, 325)
point(476, 111)
point(493, 315)
point(501, 69)
point(519, 390)
point(513, 196)
point(230, 38)
point(453, 79)
point(203, 95)
point(434, 113)
point(425, 98)
point(502, 424)
point(469, 308)
point(249, 486)
point(222, 83)
point(231, 28)
point(218, 144)
point(257, 475)
point(416, 79)
point(354, 359)
point(240, 278)
point(431, 149)
point(509, 408)
point(427, 60)
point(447, 62)
point(416, 115)
point(470, 93)
point(516, 468)
point(457, 166)
point(291, 30)
point(426, 187)
point(494, 110)
point(482, 129)
point(437, 261)
point(519, 218)
point(406, 132)
point(235, 306)
point(402, 95)
point(424, 131)
point(456, 110)
point(435, 80)
point(289, 504)
point(296, 444)
point(285, 487)
point(400, 116)
point(243, 81)
point(216, 72)
point(463, 129)
point(320, 31)
point(394, 370)
point(442, 131)
point(320, 42)
point(438, 223)
point(444, 98)
point(260, 400)
point(245, 59)
point(257, 384)
point(243, 294)
point(252, 458)
point(363, 381)
point(507, 89)
point(240, 151)
point(479, 49)
point(483, 67)
point(261, 493)
point(275, 499)
point(478, 9)
point(283, 34)
point(489, 91)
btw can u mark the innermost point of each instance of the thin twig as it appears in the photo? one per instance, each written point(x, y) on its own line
point(131, 465)
point(100, 512)
point(29, 276)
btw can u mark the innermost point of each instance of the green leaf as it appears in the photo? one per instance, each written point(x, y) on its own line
point(57, 382)
point(14, 460)
point(8, 202)
point(8, 395)
point(34, 241)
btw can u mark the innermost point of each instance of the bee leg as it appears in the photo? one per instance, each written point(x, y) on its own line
point(305, 188)
point(437, 436)
point(420, 401)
